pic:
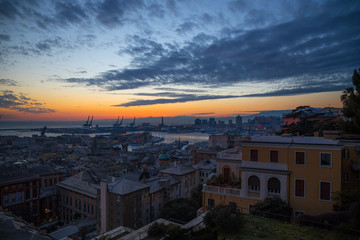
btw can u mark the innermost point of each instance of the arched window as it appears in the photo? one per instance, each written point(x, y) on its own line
point(274, 185)
point(254, 183)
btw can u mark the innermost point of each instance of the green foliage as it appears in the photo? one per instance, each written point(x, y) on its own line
point(157, 230)
point(181, 210)
point(274, 208)
point(216, 180)
point(226, 218)
point(176, 233)
point(351, 106)
point(345, 198)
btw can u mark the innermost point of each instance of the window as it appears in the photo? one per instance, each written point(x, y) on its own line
point(345, 153)
point(211, 203)
point(274, 156)
point(274, 185)
point(254, 184)
point(325, 159)
point(345, 177)
point(325, 191)
point(254, 155)
point(299, 188)
point(300, 158)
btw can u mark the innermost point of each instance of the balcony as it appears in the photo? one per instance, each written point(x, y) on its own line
point(222, 190)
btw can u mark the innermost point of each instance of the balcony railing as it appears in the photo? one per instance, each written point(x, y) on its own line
point(221, 190)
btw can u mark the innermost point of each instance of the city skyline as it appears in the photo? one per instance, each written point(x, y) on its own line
point(62, 60)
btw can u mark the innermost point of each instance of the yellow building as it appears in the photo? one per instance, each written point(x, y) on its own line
point(303, 171)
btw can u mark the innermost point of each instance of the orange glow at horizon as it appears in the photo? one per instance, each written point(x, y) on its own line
point(67, 110)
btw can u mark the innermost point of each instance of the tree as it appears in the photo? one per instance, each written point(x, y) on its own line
point(157, 230)
point(351, 106)
point(345, 198)
point(181, 210)
point(274, 208)
point(226, 218)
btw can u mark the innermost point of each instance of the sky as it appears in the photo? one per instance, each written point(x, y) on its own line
point(66, 60)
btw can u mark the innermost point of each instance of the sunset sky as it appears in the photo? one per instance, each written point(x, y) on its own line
point(65, 60)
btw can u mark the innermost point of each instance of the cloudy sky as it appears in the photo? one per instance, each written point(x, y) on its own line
point(65, 60)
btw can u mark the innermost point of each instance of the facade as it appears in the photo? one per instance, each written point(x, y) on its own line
point(205, 169)
point(303, 171)
point(20, 193)
point(187, 177)
point(123, 203)
point(77, 197)
point(30, 193)
point(133, 204)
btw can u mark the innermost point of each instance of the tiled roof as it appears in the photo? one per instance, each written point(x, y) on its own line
point(178, 170)
point(125, 186)
point(80, 183)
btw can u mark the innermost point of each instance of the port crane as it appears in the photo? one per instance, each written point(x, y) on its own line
point(88, 123)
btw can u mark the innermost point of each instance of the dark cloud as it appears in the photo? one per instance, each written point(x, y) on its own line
point(143, 49)
point(256, 17)
point(202, 114)
point(319, 47)
point(4, 37)
point(171, 5)
point(8, 9)
point(297, 91)
point(21, 103)
point(176, 98)
point(156, 10)
point(238, 5)
point(8, 82)
point(70, 12)
point(48, 44)
point(178, 89)
point(111, 12)
point(186, 27)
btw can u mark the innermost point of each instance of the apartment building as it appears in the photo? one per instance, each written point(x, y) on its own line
point(303, 171)
point(187, 177)
point(77, 197)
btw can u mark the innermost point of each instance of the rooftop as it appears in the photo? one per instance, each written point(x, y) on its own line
point(125, 186)
point(82, 183)
point(292, 140)
point(178, 170)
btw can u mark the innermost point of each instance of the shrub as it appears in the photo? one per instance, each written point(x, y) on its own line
point(274, 208)
point(224, 217)
point(157, 230)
